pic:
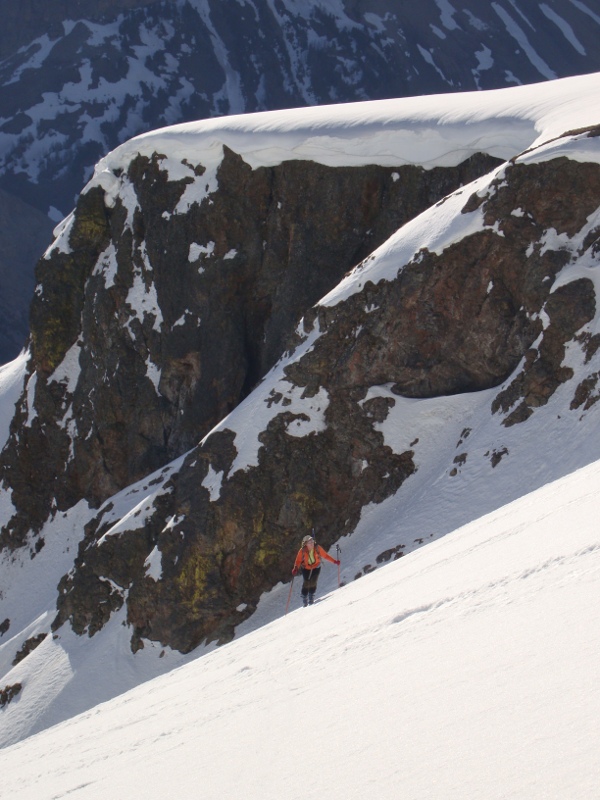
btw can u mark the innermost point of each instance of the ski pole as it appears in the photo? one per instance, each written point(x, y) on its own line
point(287, 605)
point(339, 553)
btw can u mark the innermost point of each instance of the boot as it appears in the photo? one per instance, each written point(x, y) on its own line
point(311, 598)
point(304, 600)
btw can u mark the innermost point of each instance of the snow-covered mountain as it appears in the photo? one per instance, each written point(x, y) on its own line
point(467, 669)
point(76, 83)
point(78, 79)
point(454, 369)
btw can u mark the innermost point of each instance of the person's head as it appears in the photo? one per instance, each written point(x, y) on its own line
point(308, 541)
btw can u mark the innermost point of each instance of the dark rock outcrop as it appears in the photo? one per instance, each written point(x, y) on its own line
point(28, 647)
point(9, 693)
point(140, 327)
point(464, 319)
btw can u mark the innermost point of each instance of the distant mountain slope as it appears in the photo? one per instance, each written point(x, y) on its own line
point(82, 87)
point(77, 80)
point(453, 369)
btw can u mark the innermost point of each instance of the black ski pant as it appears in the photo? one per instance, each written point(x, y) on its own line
point(309, 584)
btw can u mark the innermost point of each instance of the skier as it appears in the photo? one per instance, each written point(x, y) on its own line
point(309, 560)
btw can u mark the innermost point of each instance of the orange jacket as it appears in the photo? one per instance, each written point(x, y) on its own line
point(302, 561)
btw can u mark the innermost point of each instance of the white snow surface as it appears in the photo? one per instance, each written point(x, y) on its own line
point(467, 669)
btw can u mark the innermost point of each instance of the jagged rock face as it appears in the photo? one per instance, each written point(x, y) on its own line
point(225, 526)
point(172, 318)
point(470, 314)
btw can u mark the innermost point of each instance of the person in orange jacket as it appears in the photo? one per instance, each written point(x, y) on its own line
point(309, 560)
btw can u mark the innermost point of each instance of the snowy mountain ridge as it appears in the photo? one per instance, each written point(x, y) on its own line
point(77, 80)
point(381, 447)
point(441, 130)
point(107, 79)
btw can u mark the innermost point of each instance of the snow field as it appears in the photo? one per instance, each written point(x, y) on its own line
point(467, 669)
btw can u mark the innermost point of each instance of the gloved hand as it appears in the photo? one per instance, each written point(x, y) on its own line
point(337, 562)
point(295, 571)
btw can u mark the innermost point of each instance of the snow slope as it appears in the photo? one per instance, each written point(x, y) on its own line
point(467, 669)
point(68, 675)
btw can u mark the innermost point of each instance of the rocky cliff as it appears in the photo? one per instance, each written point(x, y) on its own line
point(180, 315)
point(257, 327)
point(460, 320)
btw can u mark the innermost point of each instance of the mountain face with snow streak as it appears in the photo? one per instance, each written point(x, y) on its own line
point(75, 83)
point(208, 377)
point(181, 314)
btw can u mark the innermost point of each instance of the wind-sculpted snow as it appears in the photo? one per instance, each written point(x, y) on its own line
point(425, 131)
